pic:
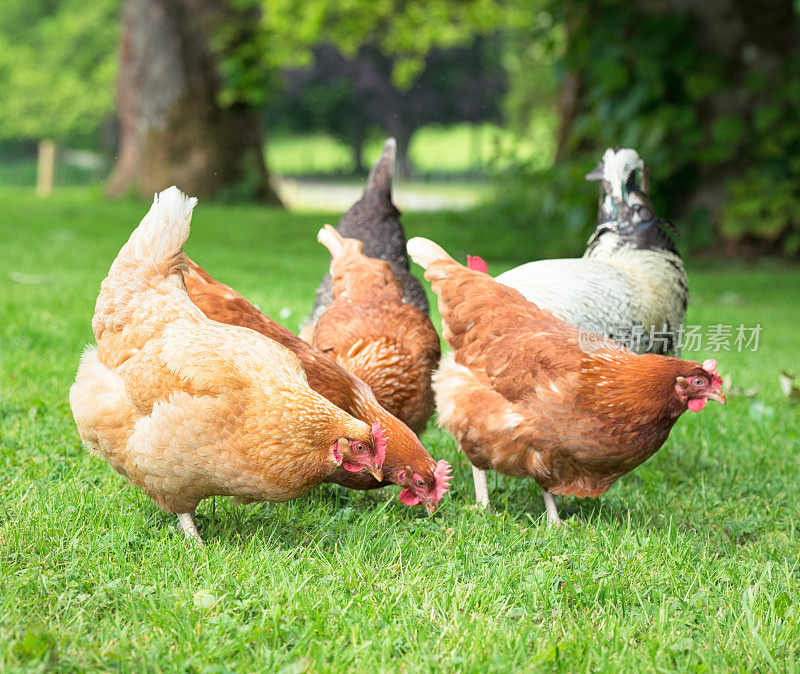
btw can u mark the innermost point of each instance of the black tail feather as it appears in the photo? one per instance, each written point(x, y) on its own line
point(379, 183)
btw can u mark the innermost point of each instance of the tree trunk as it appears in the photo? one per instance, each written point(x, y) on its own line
point(173, 129)
point(570, 95)
point(357, 149)
point(402, 164)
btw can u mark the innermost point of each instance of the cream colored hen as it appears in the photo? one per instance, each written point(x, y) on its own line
point(185, 407)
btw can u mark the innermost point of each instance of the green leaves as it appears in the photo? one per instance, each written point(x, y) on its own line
point(407, 31)
point(57, 67)
point(713, 117)
point(58, 60)
point(764, 205)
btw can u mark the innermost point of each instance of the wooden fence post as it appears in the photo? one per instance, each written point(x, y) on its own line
point(45, 167)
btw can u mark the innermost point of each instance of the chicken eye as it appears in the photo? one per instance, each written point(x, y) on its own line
point(420, 483)
point(698, 381)
point(359, 448)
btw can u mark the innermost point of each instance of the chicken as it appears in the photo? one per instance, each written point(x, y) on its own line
point(524, 395)
point(424, 481)
point(630, 285)
point(369, 330)
point(374, 219)
point(185, 407)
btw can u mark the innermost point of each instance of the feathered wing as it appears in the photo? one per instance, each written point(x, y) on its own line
point(222, 303)
point(169, 346)
point(517, 347)
point(391, 346)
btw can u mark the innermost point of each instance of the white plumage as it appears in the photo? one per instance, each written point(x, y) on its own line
point(630, 279)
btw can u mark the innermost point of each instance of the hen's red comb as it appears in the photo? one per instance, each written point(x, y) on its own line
point(710, 366)
point(477, 264)
point(442, 475)
point(378, 433)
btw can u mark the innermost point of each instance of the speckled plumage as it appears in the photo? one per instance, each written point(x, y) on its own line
point(185, 407)
point(375, 221)
point(630, 279)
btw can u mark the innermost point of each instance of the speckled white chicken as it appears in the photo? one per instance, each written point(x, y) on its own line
point(630, 282)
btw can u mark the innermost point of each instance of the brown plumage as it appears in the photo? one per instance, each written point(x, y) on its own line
point(425, 483)
point(185, 407)
point(525, 394)
point(369, 330)
point(375, 220)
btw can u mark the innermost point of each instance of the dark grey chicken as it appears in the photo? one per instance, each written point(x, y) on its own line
point(375, 220)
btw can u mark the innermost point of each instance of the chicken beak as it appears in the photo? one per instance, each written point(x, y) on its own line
point(377, 473)
point(430, 507)
point(719, 397)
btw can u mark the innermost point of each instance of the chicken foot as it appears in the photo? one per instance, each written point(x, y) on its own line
point(550, 506)
point(481, 488)
point(186, 525)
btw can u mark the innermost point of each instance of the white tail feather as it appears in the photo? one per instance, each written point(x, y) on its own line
point(152, 249)
point(424, 251)
point(165, 228)
point(331, 239)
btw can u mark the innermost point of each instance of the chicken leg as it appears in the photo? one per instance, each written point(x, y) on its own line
point(481, 488)
point(186, 525)
point(550, 506)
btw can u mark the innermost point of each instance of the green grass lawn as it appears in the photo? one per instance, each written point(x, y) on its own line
point(690, 563)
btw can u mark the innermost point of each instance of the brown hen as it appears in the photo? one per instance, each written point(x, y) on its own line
point(406, 464)
point(369, 330)
point(185, 407)
point(527, 395)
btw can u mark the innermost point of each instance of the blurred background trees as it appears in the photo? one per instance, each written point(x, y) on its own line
point(707, 92)
point(523, 94)
point(356, 98)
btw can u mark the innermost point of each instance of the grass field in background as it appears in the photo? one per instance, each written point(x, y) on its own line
point(690, 563)
point(456, 149)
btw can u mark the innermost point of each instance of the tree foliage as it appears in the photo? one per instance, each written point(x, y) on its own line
point(709, 96)
point(406, 30)
point(58, 58)
point(351, 96)
point(707, 93)
point(57, 66)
